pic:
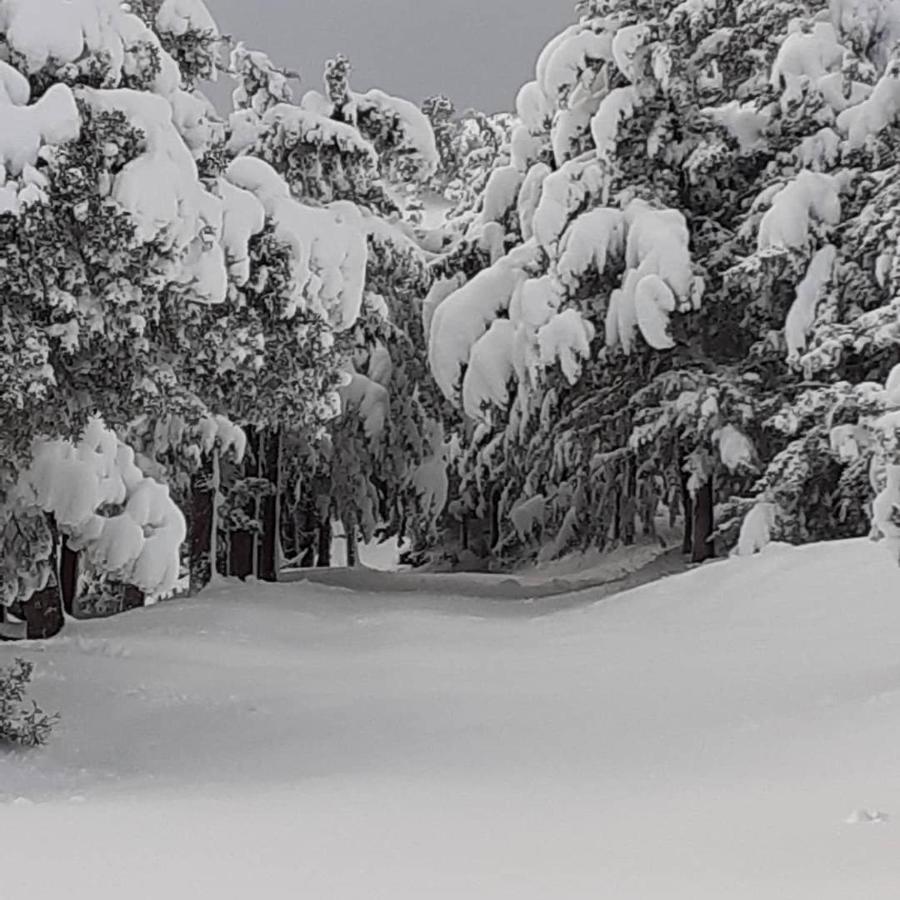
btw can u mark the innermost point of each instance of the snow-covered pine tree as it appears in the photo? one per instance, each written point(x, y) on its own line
point(363, 149)
point(662, 125)
point(108, 236)
point(441, 113)
point(187, 32)
point(825, 239)
point(147, 279)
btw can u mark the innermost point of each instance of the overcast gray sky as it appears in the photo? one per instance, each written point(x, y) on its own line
point(478, 52)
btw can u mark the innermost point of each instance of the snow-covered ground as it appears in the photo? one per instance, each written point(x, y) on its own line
point(707, 736)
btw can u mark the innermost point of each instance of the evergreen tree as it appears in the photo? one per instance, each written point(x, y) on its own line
point(146, 280)
point(663, 160)
point(333, 150)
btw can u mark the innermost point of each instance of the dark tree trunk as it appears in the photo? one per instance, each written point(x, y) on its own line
point(325, 538)
point(290, 535)
point(687, 503)
point(704, 524)
point(464, 533)
point(308, 530)
point(242, 544)
point(270, 469)
point(616, 489)
point(202, 499)
point(68, 577)
point(629, 504)
point(306, 524)
point(132, 597)
point(43, 611)
point(352, 545)
point(496, 493)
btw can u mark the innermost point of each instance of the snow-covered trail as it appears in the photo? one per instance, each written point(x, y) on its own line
point(702, 737)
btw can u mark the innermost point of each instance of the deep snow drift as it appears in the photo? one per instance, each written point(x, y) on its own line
point(729, 733)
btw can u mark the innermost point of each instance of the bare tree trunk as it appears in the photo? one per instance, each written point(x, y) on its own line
point(704, 524)
point(270, 468)
point(352, 544)
point(325, 538)
point(68, 577)
point(242, 545)
point(214, 514)
point(628, 506)
point(687, 503)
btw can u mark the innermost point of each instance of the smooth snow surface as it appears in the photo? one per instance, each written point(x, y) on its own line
point(729, 733)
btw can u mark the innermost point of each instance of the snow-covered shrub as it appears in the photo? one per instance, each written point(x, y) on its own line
point(19, 724)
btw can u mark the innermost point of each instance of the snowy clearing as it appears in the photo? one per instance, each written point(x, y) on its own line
point(728, 733)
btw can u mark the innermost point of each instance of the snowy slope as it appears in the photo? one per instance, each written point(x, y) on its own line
point(703, 737)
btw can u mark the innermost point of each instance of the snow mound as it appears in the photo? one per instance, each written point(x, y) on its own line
point(867, 817)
